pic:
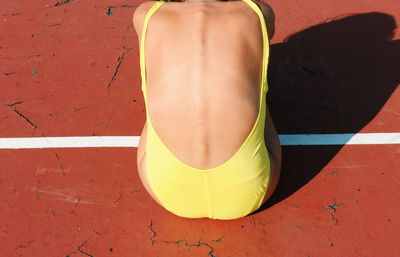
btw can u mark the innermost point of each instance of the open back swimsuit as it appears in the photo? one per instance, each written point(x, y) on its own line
point(228, 191)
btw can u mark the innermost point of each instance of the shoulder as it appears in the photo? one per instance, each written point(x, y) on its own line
point(140, 13)
point(265, 8)
point(269, 16)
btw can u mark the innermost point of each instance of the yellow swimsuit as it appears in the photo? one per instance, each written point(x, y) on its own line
point(228, 191)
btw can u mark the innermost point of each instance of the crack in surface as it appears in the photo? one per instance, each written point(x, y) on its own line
point(218, 240)
point(63, 2)
point(120, 59)
point(61, 166)
point(333, 207)
point(76, 109)
point(19, 102)
point(25, 118)
point(199, 243)
point(109, 8)
point(125, 47)
point(254, 222)
point(119, 198)
point(77, 202)
point(52, 212)
point(79, 249)
point(97, 232)
point(23, 246)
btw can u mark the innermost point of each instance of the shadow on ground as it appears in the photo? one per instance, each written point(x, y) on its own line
point(333, 77)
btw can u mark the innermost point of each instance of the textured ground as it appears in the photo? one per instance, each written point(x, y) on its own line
point(71, 68)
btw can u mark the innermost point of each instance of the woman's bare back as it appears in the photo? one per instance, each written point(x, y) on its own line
point(203, 62)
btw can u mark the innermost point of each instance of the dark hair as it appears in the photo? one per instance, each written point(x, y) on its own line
point(184, 1)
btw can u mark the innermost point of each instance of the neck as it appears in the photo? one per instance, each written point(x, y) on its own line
point(202, 1)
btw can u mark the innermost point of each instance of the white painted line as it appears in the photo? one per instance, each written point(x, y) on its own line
point(61, 142)
point(133, 141)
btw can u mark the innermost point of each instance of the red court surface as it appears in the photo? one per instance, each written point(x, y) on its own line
point(71, 68)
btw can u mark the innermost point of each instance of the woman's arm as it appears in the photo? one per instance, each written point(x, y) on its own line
point(269, 17)
point(272, 139)
point(140, 14)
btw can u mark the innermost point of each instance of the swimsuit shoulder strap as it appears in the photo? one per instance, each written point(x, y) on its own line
point(266, 42)
point(149, 13)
